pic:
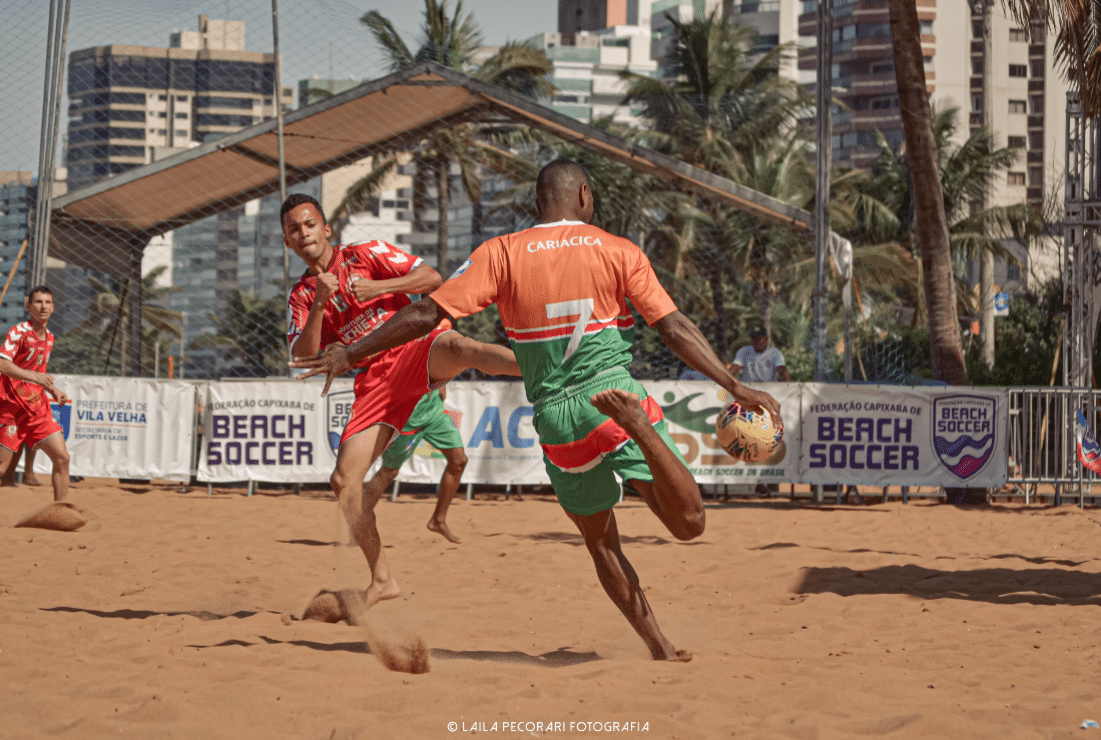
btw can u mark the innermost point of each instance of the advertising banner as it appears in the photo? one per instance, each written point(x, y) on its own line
point(271, 431)
point(897, 435)
point(691, 407)
point(125, 427)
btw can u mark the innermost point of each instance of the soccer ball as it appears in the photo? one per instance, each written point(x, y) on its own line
point(750, 436)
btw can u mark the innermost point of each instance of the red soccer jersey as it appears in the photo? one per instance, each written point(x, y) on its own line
point(346, 318)
point(23, 347)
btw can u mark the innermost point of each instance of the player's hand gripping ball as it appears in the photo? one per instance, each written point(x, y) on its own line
point(750, 436)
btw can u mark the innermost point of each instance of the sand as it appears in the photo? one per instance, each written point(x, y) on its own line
point(903, 621)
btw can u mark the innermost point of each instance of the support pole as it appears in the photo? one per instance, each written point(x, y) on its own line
point(47, 154)
point(822, 183)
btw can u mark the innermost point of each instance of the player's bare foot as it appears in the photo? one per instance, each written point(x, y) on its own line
point(7, 482)
point(30, 480)
point(440, 527)
point(624, 408)
point(381, 591)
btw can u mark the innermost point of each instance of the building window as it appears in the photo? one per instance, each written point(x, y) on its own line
point(1018, 70)
point(181, 115)
point(1015, 178)
point(976, 102)
point(1037, 69)
point(1018, 106)
point(180, 132)
point(882, 68)
point(1036, 104)
point(1036, 176)
point(976, 29)
point(162, 132)
point(1018, 34)
point(181, 98)
point(977, 66)
point(1016, 142)
point(1036, 140)
point(162, 114)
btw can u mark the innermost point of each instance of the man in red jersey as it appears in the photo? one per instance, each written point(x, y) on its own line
point(562, 289)
point(25, 415)
point(345, 294)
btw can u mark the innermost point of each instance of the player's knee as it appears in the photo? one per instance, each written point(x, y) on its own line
point(692, 525)
point(61, 460)
point(457, 464)
point(336, 481)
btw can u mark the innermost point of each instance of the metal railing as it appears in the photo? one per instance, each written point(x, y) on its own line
point(1042, 444)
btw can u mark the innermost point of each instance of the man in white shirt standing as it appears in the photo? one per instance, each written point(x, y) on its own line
point(761, 364)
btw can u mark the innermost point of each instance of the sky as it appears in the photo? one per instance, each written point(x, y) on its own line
point(317, 37)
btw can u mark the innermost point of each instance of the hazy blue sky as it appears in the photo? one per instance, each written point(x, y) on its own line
point(317, 37)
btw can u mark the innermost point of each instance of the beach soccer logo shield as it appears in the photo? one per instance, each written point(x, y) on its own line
point(338, 409)
point(964, 429)
point(63, 415)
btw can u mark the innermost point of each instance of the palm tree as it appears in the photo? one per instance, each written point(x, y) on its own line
point(946, 347)
point(252, 327)
point(450, 40)
point(967, 173)
point(1077, 24)
point(718, 108)
point(107, 316)
point(717, 100)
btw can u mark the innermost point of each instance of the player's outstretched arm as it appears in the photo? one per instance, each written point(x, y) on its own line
point(690, 345)
point(412, 322)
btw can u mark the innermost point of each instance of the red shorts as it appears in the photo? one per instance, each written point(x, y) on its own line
point(19, 425)
point(388, 390)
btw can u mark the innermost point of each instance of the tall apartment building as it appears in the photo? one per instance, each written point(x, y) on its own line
point(587, 68)
point(132, 105)
point(127, 100)
point(17, 198)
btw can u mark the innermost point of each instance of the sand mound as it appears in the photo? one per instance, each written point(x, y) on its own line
point(325, 607)
point(60, 516)
point(350, 605)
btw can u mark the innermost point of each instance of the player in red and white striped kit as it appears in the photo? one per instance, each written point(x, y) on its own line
point(25, 415)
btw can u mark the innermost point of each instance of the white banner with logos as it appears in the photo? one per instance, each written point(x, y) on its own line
point(272, 431)
point(898, 435)
point(125, 427)
point(282, 431)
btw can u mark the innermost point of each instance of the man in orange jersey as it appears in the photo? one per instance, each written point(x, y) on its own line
point(346, 294)
point(25, 414)
point(562, 289)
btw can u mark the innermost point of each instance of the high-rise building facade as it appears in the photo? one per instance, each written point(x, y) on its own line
point(125, 101)
point(132, 105)
point(588, 67)
point(17, 198)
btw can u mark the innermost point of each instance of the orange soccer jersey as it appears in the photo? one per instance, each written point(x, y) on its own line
point(562, 290)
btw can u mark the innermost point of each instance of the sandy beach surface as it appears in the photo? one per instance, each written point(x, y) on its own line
point(169, 617)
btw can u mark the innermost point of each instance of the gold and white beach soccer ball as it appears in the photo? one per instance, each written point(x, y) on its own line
point(750, 436)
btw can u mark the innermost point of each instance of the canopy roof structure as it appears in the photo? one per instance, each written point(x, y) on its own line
point(105, 226)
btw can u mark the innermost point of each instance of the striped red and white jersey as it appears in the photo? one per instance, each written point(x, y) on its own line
point(562, 290)
point(24, 348)
point(347, 318)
